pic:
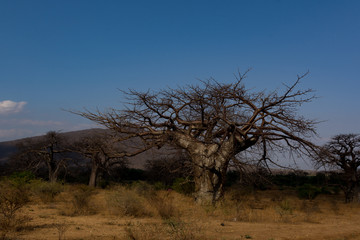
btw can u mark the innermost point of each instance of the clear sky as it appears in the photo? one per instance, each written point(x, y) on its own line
point(75, 54)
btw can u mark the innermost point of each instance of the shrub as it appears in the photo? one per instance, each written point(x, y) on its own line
point(126, 202)
point(164, 204)
point(171, 230)
point(81, 198)
point(285, 210)
point(184, 186)
point(78, 201)
point(142, 188)
point(21, 178)
point(308, 191)
point(47, 191)
point(12, 198)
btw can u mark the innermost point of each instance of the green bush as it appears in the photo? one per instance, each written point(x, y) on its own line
point(184, 186)
point(308, 191)
point(21, 178)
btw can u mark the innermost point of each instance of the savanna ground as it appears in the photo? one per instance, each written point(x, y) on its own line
point(137, 211)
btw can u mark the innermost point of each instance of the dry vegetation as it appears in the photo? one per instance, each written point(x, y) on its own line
point(53, 211)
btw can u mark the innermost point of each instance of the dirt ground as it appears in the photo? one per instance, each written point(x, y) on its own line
point(318, 219)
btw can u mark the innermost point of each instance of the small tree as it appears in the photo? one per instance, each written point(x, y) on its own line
point(49, 151)
point(343, 152)
point(214, 122)
point(101, 150)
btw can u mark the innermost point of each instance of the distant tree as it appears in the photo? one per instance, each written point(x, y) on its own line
point(214, 122)
point(50, 151)
point(167, 169)
point(101, 149)
point(343, 152)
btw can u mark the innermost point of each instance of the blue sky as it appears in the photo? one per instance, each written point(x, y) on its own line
point(58, 55)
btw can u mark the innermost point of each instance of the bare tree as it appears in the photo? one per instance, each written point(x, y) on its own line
point(101, 150)
point(343, 152)
point(214, 122)
point(50, 151)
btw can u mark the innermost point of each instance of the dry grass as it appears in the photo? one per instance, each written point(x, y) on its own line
point(46, 191)
point(139, 212)
point(76, 201)
point(13, 198)
point(169, 229)
point(127, 202)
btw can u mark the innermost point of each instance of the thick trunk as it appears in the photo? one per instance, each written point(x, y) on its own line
point(94, 174)
point(352, 192)
point(210, 163)
point(352, 188)
point(357, 193)
point(209, 183)
point(209, 177)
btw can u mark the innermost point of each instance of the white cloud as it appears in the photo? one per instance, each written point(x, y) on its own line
point(10, 107)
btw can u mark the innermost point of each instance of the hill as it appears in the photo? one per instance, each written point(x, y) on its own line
point(10, 147)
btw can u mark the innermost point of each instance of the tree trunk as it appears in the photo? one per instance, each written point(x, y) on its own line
point(357, 193)
point(210, 163)
point(209, 177)
point(94, 174)
point(53, 176)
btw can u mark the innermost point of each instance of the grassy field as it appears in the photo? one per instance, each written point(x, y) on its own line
point(55, 211)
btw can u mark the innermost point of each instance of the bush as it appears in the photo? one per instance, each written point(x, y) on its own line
point(285, 209)
point(331, 190)
point(126, 202)
point(79, 201)
point(21, 178)
point(171, 230)
point(184, 186)
point(12, 198)
point(47, 191)
point(142, 189)
point(164, 204)
point(308, 191)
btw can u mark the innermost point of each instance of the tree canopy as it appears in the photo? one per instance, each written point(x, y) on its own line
point(213, 122)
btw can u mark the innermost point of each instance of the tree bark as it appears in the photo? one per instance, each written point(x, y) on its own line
point(53, 176)
point(94, 174)
point(210, 163)
point(209, 177)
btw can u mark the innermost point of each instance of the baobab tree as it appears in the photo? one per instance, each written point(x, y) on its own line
point(49, 151)
point(343, 152)
point(102, 151)
point(214, 122)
